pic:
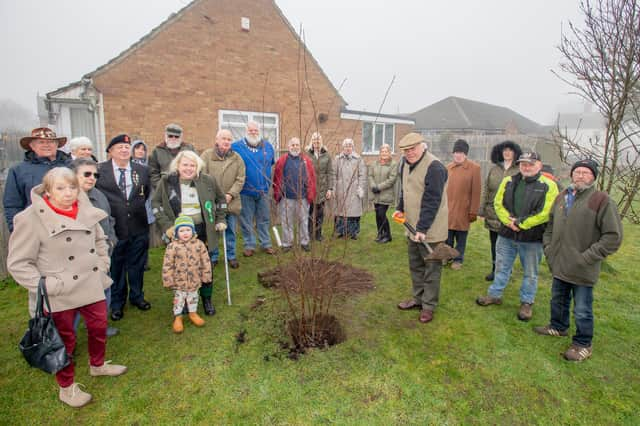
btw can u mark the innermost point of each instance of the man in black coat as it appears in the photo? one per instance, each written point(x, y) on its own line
point(126, 185)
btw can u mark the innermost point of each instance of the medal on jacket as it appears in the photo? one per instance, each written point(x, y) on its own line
point(208, 206)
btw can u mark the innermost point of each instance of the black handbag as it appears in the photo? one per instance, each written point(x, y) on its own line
point(42, 345)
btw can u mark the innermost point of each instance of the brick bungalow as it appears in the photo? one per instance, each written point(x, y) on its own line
point(216, 64)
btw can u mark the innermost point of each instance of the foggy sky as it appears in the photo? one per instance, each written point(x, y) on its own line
point(495, 51)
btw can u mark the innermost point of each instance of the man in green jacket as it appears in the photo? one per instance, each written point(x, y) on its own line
point(522, 203)
point(163, 154)
point(584, 228)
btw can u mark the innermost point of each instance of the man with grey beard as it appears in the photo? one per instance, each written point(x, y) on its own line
point(584, 228)
point(294, 188)
point(523, 203)
point(163, 154)
point(258, 156)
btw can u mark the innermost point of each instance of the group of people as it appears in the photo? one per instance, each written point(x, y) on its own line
point(85, 226)
point(527, 216)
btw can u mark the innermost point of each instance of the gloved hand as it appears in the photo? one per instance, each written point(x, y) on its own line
point(360, 192)
point(170, 233)
point(221, 227)
point(473, 217)
point(375, 190)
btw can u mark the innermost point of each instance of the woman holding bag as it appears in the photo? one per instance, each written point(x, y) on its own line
point(59, 237)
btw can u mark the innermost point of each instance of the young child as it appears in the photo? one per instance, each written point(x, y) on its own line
point(186, 267)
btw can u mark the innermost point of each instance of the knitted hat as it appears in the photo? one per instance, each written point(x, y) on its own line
point(119, 139)
point(589, 164)
point(461, 146)
point(183, 221)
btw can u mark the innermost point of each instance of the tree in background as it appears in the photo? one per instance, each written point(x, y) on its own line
point(601, 62)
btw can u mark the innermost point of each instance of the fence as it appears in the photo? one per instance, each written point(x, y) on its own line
point(10, 153)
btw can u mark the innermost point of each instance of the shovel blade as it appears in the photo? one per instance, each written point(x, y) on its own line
point(443, 251)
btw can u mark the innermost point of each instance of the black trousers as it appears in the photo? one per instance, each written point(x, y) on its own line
point(493, 236)
point(127, 270)
point(316, 219)
point(382, 223)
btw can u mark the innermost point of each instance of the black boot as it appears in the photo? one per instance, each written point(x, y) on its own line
point(491, 276)
point(209, 309)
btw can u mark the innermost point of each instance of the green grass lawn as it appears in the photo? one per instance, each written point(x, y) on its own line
point(471, 365)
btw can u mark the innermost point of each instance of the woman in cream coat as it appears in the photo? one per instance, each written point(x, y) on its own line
point(59, 237)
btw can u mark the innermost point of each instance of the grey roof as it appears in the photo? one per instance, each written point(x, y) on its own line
point(459, 113)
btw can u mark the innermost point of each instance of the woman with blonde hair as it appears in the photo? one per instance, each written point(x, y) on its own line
point(186, 191)
point(59, 238)
point(382, 180)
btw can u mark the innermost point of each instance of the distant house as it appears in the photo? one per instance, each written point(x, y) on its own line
point(215, 64)
point(482, 125)
point(464, 116)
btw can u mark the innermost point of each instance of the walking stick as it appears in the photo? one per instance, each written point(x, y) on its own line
point(226, 267)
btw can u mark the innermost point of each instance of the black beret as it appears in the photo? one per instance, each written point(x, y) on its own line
point(119, 139)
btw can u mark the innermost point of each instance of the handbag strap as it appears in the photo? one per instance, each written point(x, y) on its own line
point(42, 298)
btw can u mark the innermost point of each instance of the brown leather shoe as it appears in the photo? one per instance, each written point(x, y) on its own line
point(269, 250)
point(233, 264)
point(426, 316)
point(526, 312)
point(247, 253)
point(409, 304)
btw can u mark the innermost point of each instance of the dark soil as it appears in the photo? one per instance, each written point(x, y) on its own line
point(318, 332)
point(318, 274)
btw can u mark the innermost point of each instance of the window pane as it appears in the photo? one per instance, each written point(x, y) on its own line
point(379, 137)
point(367, 137)
point(236, 131)
point(235, 118)
point(388, 135)
point(265, 120)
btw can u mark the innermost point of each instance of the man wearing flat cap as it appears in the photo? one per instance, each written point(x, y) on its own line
point(163, 154)
point(126, 186)
point(584, 228)
point(523, 203)
point(423, 201)
point(41, 155)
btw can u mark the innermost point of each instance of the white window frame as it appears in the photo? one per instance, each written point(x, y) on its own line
point(247, 116)
point(373, 125)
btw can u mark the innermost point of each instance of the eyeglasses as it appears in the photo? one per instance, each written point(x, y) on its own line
point(88, 174)
point(173, 136)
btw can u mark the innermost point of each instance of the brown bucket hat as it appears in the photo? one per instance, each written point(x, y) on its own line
point(41, 133)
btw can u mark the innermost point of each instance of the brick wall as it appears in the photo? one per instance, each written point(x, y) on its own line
point(202, 61)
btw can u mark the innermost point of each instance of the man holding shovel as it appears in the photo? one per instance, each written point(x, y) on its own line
point(423, 208)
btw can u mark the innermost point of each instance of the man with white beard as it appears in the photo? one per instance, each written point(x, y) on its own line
point(163, 154)
point(294, 188)
point(258, 156)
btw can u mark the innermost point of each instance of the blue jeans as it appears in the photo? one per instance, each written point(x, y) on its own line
point(255, 208)
point(561, 292)
point(459, 238)
point(530, 255)
point(230, 235)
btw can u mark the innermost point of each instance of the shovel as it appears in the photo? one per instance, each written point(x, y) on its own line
point(442, 251)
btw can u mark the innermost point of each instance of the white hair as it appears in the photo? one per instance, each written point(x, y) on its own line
point(347, 141)
point(315, 135)
point(80, 142)
point(173, 167)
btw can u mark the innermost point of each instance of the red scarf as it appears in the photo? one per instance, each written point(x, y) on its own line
point(73, 213)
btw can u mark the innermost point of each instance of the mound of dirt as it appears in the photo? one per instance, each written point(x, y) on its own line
point(311, 275)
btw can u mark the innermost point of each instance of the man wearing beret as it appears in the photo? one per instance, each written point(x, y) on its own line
point(41, 155)
point(126, 185)
point(523, 203)
point(163, 154)
point(584, 228)
point(423, 201)
point(463, 194)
